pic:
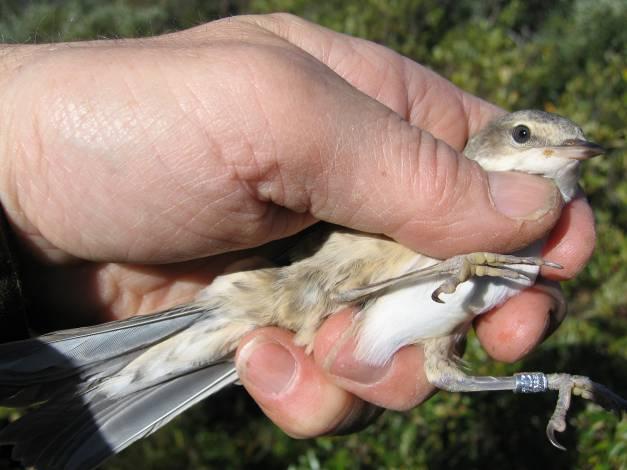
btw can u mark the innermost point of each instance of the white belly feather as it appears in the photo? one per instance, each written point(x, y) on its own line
point(408, 315)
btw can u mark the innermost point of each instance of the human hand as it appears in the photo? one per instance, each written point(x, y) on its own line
point(169, 150)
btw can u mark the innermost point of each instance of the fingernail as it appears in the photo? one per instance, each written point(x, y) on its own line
point(266, 365)
point(347, 366)
point(520, 196)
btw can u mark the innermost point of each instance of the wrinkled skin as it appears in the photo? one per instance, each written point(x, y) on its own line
point(135, 171)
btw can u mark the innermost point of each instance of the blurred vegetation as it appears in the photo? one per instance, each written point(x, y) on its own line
point(558, 55)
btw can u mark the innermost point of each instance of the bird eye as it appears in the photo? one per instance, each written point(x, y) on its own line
point(521, 134)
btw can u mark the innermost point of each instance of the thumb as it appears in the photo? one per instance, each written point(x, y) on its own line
point(378, 173)
point(375, 172)
point(416, 189)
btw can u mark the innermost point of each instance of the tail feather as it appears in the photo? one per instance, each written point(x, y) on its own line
point(36, 369)
point(78, 420)
point(81, 436)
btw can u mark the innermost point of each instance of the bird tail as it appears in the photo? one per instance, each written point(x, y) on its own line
point(75, 423)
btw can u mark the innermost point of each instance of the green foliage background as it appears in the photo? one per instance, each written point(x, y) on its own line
point(558, 55)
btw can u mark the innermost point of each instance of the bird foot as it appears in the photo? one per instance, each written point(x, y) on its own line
point(443, 373)
point(464, 267)
point(456, 270)
point(568, 385)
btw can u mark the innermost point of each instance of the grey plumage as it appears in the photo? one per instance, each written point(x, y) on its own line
point(72, 435)
point(77, 425)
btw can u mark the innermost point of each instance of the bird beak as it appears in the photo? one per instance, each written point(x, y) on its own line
point(576, 149)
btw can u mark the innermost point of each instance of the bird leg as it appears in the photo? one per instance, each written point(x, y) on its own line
point(443, 372)
point(465, 267)
point(455, 270)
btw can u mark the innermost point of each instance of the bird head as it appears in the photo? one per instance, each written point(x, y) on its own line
point(534, 142)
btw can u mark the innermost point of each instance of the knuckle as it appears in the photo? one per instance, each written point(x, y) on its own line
point(441, 178)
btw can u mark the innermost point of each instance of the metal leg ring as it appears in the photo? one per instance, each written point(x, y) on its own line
point(531, 382)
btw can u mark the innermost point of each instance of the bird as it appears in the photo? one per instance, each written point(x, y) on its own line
point(93, 391)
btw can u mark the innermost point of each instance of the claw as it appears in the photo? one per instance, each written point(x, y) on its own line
point(568, 385)
point(551, 264)
point(436, 296)
point(447, 287)
point(550, 433)
point(607, 399)
point(522, 276)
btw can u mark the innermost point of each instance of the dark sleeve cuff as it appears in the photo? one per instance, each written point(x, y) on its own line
point(13, 323)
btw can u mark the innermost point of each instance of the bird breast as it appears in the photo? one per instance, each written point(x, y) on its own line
point(408, 315)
